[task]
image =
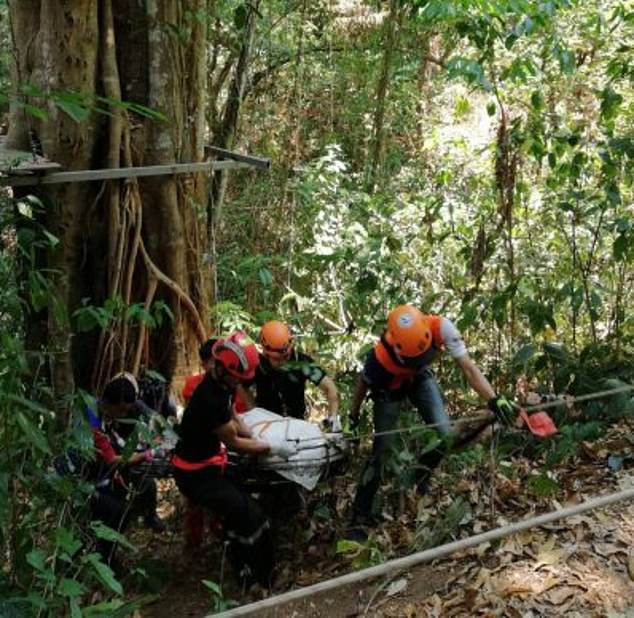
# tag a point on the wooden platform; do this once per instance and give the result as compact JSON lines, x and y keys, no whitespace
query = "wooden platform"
{"x":23,"y":163}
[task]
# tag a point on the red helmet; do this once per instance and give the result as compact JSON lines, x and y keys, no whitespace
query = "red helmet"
{"x":238,"y":355}
{"x":408,"y":331}
{"x":276,"y":339}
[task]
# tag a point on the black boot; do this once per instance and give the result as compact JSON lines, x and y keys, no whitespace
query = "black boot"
{"x":154,"y":522}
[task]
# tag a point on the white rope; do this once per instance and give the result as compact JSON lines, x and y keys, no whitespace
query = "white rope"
{"x":427,"y":555}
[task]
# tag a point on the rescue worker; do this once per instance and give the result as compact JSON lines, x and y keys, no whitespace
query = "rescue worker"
{"x":206,"y":360}
{"x":200,"y":459}
{"x":116,"y":500}
{"x":280,"y":380}
{"x":398,"y":367}
{"x":194,"y":518}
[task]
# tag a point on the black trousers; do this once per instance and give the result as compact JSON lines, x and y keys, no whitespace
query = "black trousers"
{"x":114,"y":506}
{"x":244,"y":522}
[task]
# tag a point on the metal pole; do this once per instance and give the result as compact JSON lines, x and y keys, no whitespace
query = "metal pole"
{"x":427,"y":555}
{"x":222,"y":153}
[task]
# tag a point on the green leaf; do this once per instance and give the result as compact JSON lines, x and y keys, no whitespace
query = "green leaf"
{"x":492,"y":108}
{"x":213,"y":586}
{"x":117,"y":608}
{"x":29,"y":404}
{"x":537,"y":100}
{"x":344,"y":546}
{"x":91,"y":317}
{"x":75,"y":610}
{"x":154,"y":375}
{"x":623,"y":247}
{"x":71,"y":588}
{"x":104,"y":573}
{"x":543,"y":485}
{"x":108,"y":534}
{"x":240,"y":16}
{"x":53,"y":241}
{"x":610,"y":103}
{"x":77,"y":112}
{"x":65,"y":539}
{"x":266,"y":278}
{"x":36,"y":559}
{"x":33,"y":433}
{"x":36,"y":112}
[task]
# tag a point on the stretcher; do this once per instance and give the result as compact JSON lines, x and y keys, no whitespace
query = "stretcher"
{"x":320,"y":455}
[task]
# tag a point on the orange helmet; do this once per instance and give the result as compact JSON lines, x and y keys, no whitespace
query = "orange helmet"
{"x":238,"y":355}
{"x":276,"y":339}
{"x":408,"y":332}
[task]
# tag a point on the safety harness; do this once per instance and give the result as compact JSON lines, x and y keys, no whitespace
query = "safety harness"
{"x":219,"y":459}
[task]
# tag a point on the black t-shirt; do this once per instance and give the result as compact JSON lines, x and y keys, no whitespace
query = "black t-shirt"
{"x":282,"y":390}
{"x":208,"y":409}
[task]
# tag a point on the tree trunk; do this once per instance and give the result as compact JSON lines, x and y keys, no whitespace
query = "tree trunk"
{"x":225,"y":136}
{"x":127,"y":239}
{"x":378,"y":142}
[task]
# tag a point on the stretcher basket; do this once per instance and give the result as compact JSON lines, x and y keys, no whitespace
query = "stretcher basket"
{"x":320,"y":455}
{"x":321,"y":459}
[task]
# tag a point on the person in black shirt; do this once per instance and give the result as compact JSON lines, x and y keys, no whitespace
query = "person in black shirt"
{"x":280,"y":380}
{"x":200,"y":456}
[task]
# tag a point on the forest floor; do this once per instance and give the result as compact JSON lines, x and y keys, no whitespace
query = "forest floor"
{"x":582,"y":566}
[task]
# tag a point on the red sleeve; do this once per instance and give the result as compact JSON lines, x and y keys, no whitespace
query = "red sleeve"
{"x":239,"y":404}
{"x":190,"y":385}
{"x":103,"y":446}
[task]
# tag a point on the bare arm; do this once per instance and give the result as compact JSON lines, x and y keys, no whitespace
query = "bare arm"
{"x":328,"y":387}
{"x":474,"y":376}
{"x":228,"y":433}
{"x":241,"y":426}
{"x":360,"y":391}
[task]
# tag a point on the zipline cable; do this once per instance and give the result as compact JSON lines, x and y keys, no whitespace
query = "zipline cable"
{"x":425,"y":556}
{"x":486,"y":416}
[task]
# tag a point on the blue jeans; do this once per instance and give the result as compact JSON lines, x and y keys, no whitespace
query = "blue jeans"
{"x":426,"y":397}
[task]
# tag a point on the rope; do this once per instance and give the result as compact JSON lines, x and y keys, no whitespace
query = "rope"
{"x":425,"y":556}
{"x":487,"y":416}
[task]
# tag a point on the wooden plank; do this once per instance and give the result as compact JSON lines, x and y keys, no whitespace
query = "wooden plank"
{"x":121,"y":172}
{"x":259,"y":162}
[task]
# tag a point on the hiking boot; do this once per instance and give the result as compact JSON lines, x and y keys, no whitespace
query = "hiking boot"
{"x":355,"y":533}
{"x":357,"y":529}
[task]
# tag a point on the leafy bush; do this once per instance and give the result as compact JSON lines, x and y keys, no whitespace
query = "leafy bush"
{"x":51,"y":567}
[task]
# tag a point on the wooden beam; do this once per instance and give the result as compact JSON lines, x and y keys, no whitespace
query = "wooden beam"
{"x":222,"y":153}
{"x":120,"y":172}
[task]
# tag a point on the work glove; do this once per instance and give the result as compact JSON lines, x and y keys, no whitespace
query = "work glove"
{"x":333,"y":424}
{"x":503,"y":409}
{"x":284,"y":449}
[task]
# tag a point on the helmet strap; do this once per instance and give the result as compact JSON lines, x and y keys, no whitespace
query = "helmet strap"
{"x":390,"y":349}
{"x":239,"y":352}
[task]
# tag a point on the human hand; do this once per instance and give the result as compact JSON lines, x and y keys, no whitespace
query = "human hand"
{"x":333,"y":424}
{"x":284,"y":449}
{"x":503,"y":409}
